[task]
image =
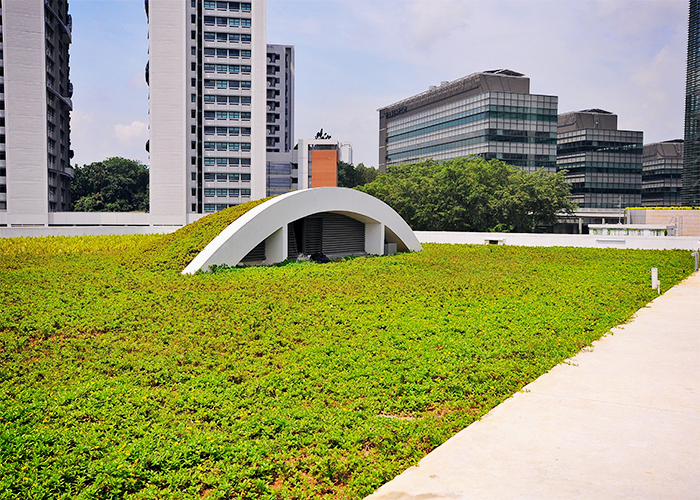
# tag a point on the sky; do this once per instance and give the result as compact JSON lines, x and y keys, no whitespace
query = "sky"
{"x":355,"y":56}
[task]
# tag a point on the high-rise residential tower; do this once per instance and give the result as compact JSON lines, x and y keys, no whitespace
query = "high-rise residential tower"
{"x":35,"y":106}
{"x":280,"y":98}
{"x":490,"y":114}
{"x":207,"y":83}
{"x":691,"y":157}
{"x":603,"y":164}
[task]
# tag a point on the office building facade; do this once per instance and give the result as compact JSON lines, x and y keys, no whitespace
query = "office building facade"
{"x":35,"y":106}
{"x":603,"y":164}
{"x":207,"y":103}
{"x":662,"y":174}
{"x":490,"y":114}
{"x":691,"y":159}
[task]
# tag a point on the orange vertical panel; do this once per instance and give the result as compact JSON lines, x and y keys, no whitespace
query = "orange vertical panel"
{"x":324,"y":168}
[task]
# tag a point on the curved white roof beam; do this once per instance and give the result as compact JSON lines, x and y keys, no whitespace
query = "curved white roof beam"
{"x":268,"y":222}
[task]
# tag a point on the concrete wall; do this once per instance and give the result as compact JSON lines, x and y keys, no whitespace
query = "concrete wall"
{"x":687,"y":222}
{"x":561,"y":240}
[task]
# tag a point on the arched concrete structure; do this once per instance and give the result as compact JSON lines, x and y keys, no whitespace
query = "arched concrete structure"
{"x":269,"y":222}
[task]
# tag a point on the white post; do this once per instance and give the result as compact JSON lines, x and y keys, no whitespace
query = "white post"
{"x":654,"y":277}
{"x":374,"y":238}
{"x":276,"y":246}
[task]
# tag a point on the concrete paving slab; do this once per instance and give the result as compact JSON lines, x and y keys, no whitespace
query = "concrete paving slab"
{"x":619,"y":420}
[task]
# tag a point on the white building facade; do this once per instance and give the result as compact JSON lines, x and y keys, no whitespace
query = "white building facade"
{"x":35,"y":106}
{"x":207,"y":80}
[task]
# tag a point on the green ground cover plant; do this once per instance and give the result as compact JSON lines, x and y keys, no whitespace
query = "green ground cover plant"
{"x":120,"y":378}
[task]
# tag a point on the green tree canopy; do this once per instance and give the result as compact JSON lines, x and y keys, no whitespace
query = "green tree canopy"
{"x":113,"y":185}
{"x":472,"y":194}
{"x":350,"y":176}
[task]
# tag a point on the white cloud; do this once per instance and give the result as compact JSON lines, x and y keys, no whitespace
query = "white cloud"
{"x":128,"y":133}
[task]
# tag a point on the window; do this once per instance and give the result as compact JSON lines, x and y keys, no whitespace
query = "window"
{"x":209,"y":161}
{"x":245,"y":146}
{"x":193,"y":97}
{"x":221,"y":68}
{"x":193,"y":113}
{"x":209,"y":52}
{"x":194,"y":51}
{"x":234,"y":37}
{"x":245,"y":162}
{"x":193,"y":82}
{"x":233,"y":131}
{"x":209,"y":192}
{"x":245,"y":69}
{"x":222,"y":84}
{"x":245,"y":115}
{"x":221,"y":206}
{"x":221,"y":37}
{"x":234,"y":177}
{"x":245,"y":192}
{"x":245,"y":84}
{"x":221,"y":146}
{"x":234,"y":22}
{"x":209,"y":130}
{"x":245,"y":23}
{"x":232,"y":161}
{"x":233,"y":99}
{"x":233,"y":146}
{"x":234,"y":5}
{"x":209,"y":176}
{"x":246,"y":38}
{"x":222,"y":99}
{"x":209,"y":68}
{"x":194,"y":176}
{"x":245,"y":177}
{"x":193,"y":160}
{"x":209,"y":20}
{"x":221,"y":115}
{"x":246,"y":6}
{"x":234,"y":115}
{"x":234,"y":68}
{"x":221,"y":21}
{"x":222,"y":192}
{"x":222,"y":5}
{"x":245,"y":99}
{"x":221,"y":161}
{"x":234,"y":84}
{"x":221,"y":52}
{"x":193,"y":129}
{"x":221,"y":130}
{"x":209,"y":99}
{"x":233,"y":192}
{"x":193,"y":66}
{"x":245,"y":131}
{"x":221,"y":177}
{"x":208,"y":35}
{"x":209,"y":84}
{"x":246,"y":53}
{"x":209,"y":146}
{"x":193,"y":35}
{"x":194,"y":207}
{"x":209,"y":208}
{"x":193,"y":145}
{"x":208,"y":115}
{"x":209,"y":4}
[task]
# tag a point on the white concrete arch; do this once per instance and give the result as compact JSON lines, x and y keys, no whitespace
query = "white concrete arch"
{"x":269,"y":222}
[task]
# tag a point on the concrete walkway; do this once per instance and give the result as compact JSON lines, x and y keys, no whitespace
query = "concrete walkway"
{"x":619,"y":420}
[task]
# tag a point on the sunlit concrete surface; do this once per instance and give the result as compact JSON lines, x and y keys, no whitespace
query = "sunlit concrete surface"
{"x":620,"y":420}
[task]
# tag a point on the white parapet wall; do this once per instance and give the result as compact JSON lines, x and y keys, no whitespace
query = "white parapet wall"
{"x":561,"y":240}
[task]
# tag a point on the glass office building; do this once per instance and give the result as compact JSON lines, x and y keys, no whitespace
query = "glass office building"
{"x":662,"y":174}
{"x":603,"y":164}
{"x":490,"y":114}
{"x":691,"y":160}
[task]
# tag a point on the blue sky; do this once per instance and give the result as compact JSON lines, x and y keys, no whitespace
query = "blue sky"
{"x":354,"y":56}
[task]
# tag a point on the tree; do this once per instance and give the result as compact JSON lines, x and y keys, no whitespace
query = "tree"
{"x":350,"y":176}
{"x":322,"y":135}
{"x":113,"y":185}
{"x":472,"y":194}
